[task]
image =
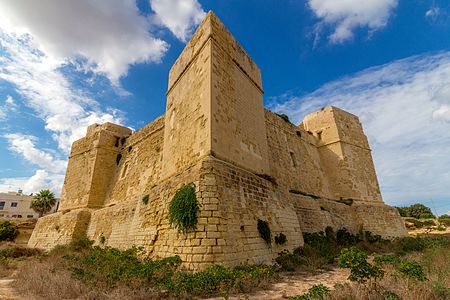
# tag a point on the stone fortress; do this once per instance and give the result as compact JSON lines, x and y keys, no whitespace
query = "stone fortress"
{"x":247,"y":163}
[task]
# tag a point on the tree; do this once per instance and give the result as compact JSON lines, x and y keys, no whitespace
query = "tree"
{"x":418,"y":211}
{"x":43,"y":202}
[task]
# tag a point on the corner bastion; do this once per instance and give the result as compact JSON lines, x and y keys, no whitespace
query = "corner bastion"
{"x":247,"y":163}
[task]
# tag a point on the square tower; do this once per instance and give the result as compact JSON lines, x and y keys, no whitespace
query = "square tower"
{"x":214,"y":104}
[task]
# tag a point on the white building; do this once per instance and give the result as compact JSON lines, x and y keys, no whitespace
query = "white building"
{"x":16,"y":205}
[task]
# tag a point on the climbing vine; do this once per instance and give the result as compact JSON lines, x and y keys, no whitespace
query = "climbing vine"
{"x":183,"y":209}
{"x":264,"y":231}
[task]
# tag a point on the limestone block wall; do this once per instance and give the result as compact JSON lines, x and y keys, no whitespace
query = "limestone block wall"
{"x":140,"y":164}
{"x":232,"y":200}
{"x":294,"y":159}
{"x":238,"y":128}
{"x":59,"y":228}
{"x":92,"y":163}
{"x":188,"y":110}
{"x":345,"y":154}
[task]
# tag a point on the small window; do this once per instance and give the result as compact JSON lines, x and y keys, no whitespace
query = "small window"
{"x":2,"y":215}
{"x":2,"y":205}
{"x":294,"y":163}
{"x":29,"y":216}
{"x":13,"y":204}
{"x":19,"y":216}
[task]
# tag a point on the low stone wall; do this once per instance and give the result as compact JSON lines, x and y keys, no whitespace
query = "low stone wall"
{"x":59,"y":228}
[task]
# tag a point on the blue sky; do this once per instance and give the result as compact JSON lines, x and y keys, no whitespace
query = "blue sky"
{"x":67,"y":64}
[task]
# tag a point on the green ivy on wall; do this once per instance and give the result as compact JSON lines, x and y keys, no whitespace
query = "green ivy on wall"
{"x":183,"y":209}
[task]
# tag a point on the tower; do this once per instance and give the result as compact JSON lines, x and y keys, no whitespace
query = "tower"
{"x":214,"y":104}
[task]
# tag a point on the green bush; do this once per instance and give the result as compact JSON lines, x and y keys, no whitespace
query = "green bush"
{"x":80,"y":243}
{"x":288,"y":261}
{"x":412,"y":270}
{"x":317,"y":291}
{"x":409,"y":244}
{"x":345,"y":238}
{"x":280,"y":239}
{"x":322,"y":244}
{"x":388,"y":295}
{"x":284,"y":117}
{"x":145,"y":199}
{"x":373,"y":238}
{"x":417,"y":223}
{"x":387,"y":259}
{"x":183,"y":209}
{"x":426,"y":216}
{"x":415,"y":211}
{"x":8,"y":231}
{"x":360,"y":269}
{"x":264,"y":231}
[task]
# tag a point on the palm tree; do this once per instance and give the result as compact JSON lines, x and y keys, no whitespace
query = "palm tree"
{"x":43,"y":202}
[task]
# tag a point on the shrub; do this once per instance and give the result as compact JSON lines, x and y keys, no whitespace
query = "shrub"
{"x":317,"y":291}
{"x":360,"y":269}
{"x":8,"y":231}
{"x":81,"y":242}
{"x":345,"y":238}
{"x":387,"y":259}
{"x":412,"y":270}
{"x":264,"y":231}
{"x":321,"y":244}
{"x":284,"y":117}
{"x":288,"y":261}
{"x":183,"y":209}
{"x":145,"y":199}
{"x":415,"y":211}
{"x":373,"y":238}
{"x":426,"y":216}
{"x":409,"y":244}
{"x":388,"y":295}
{"x":417,"y":223}
{"x":280,"y":239}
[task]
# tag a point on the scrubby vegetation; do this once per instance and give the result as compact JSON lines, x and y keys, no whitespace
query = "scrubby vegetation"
{"x":81,"y":270}
{"x":405,"y":268}
{"x":8,"y":231}
{"x":418,"y":211}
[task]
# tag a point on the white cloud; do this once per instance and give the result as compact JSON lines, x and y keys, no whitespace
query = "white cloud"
{"x":43,"y":180}
{"x":10,"y":106}
{"x":433,"y":12}
{"x":104,"y":36}
{"x":403,"y":106}
{"x":347,"y":15}
{"x":39,"y":181}
{"x":180,"y":16}
{"x":25,"y":146}
{"x":66,"y":110}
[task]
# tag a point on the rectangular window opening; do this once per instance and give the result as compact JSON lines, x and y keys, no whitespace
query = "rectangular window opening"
{"x":294,"y":163}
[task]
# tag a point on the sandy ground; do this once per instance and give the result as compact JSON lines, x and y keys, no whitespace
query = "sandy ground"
{"x":293,"y":284}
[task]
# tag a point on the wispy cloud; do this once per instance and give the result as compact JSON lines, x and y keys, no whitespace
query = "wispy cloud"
{"x":25,"y":146}
{"x":404,"y":108}
{"x":180,"y":16}
{"x":346,"y":16}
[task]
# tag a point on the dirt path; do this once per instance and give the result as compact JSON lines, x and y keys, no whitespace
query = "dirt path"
{"x":7,"y":291}
{"x":293,"y":284}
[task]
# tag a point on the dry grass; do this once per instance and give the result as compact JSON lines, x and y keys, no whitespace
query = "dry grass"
{"x":436,"y":264}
